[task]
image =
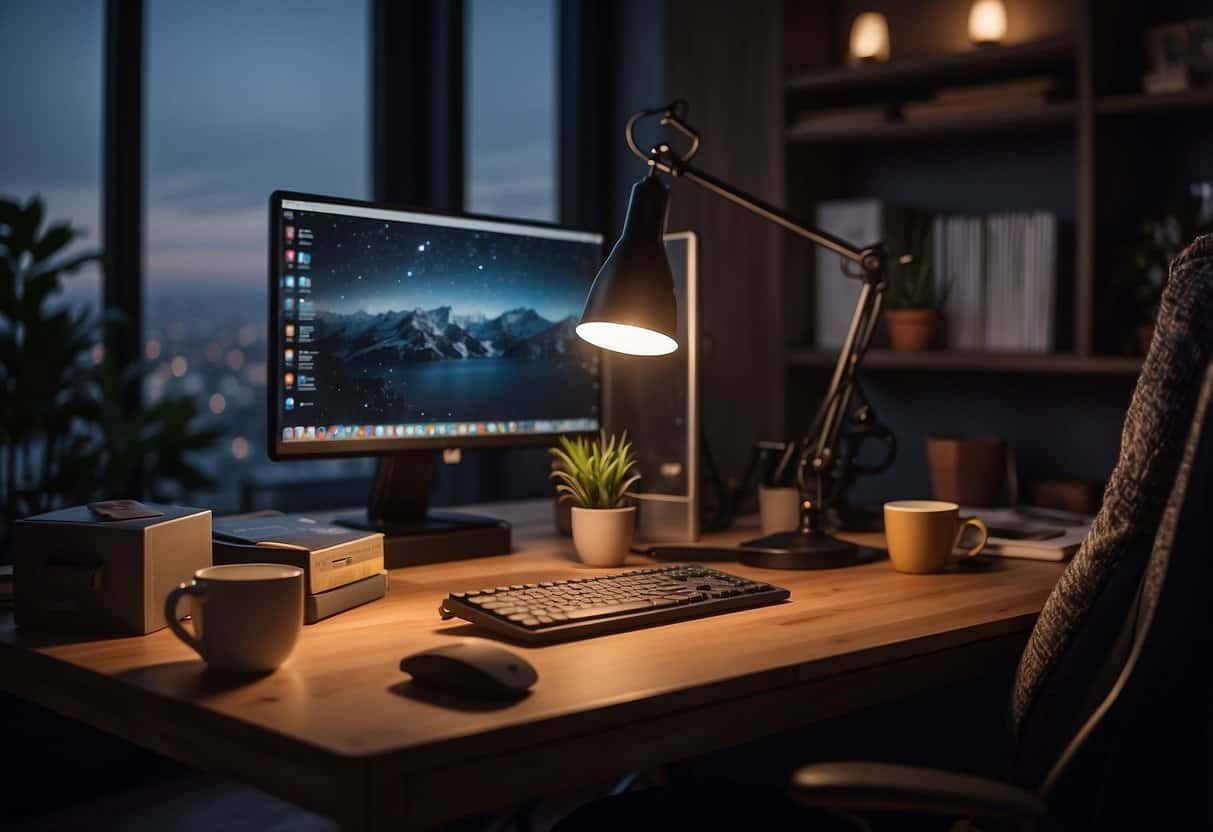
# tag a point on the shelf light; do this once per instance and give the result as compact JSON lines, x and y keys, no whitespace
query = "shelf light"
{"x":987,"y":22}
{"x":869,"y":38}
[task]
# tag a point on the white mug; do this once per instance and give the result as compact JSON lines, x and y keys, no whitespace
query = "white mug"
{"x":247,"y":616}
{"x":778,"y":508}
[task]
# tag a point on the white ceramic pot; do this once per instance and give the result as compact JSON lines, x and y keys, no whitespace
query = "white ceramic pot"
{"x":603,"y":536}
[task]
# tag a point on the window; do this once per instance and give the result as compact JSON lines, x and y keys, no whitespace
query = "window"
{"x":510,"y":121}
{"x":50,"y":54}
{"x":241,"y":99}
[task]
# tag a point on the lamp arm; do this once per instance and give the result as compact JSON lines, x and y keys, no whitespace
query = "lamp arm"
{"x":818,"y":443}
{"x":663,"y":158}
{"x":771,"y":213}
{"x":820,"y":440}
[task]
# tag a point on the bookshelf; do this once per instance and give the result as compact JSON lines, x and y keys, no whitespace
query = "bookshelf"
{"x":933,"y":70}
{"x":1006,"y":120}
{"x":995,"y":362}
{"x":1079,"y":157}
{"x":1196,"y":101}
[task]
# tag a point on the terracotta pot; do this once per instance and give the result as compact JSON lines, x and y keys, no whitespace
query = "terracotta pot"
{"x":972,"y":471}
{"x":1145,"y":335}
{"x":603,"y":536}
{"x":912,"y":330}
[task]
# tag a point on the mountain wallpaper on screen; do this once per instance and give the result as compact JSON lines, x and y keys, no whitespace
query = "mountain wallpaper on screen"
{"x":364,"y":340}
{"x":433,"y":323}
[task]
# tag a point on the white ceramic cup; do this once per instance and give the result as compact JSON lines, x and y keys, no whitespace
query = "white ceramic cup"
{"x":603,"y":536}
{"x":778,"y":509}
{"x":247,"y":617}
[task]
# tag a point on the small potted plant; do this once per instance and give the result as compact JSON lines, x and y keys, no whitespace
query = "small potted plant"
{"x":595,"y":475}
{"x":1156,"y":242}
{"x":912,"y":300}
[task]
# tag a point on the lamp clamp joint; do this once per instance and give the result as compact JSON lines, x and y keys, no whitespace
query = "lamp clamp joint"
{"x":663,"y":157}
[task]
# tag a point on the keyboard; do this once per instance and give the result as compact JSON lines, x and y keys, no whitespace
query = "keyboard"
{"x":553,"y":611}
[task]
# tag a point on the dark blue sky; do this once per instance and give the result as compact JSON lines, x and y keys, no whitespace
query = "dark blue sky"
{"x":246,"y":97}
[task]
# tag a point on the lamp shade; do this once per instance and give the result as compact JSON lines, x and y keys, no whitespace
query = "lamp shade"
{"x":987,"y":21}
{"x":631,"y":307}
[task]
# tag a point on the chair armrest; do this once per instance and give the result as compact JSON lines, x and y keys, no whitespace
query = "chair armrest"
{"x":897,"y":788}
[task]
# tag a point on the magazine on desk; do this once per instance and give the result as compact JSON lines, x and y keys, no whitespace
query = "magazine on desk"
{"x":1031,"y":532}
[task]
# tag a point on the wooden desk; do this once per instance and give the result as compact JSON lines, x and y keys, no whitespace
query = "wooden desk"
{"x":337,"y":729}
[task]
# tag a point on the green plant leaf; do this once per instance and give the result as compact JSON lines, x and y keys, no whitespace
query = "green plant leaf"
{"x":594,"y":473}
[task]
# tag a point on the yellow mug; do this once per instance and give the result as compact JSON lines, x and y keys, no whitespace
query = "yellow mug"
{"x":921,"y":534}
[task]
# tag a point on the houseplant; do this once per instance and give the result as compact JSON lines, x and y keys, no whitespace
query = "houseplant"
{"x":595,"y":475}
{"x":65,"y":436}
{"x":1155,"y":243}
{"x":912,"y":300}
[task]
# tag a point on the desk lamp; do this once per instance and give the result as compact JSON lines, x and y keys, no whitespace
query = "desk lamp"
{"x":631,"y":309}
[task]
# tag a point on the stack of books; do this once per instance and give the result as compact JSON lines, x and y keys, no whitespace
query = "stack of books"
{"x":1032,"y":532}
{"x":842,"y":119}
{"x":1001,"y":272}
{"x":956,"y":102}
{"x":343,"y":568}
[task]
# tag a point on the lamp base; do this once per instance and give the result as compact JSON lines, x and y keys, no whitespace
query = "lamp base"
{"x":799,"y":550}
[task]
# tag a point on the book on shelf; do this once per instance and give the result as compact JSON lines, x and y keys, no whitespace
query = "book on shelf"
{"x":958,"y":246}
{"x":952,"y":102}
{"x":1034,"y":87}
{"x":1000,"y":272}
{"x":918,"y":111}
{"x":842,"y":118}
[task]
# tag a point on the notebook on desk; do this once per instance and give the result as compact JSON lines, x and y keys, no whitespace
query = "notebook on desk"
{"x":1031,"y":532}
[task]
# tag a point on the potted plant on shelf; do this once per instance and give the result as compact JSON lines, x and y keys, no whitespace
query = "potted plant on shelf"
{"x":595,"y":475}
{"x":1156,"y":242}
{"x":912,"y":300}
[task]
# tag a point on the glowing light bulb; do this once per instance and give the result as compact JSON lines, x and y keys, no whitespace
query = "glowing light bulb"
{"x":869,"y":38}
{"x":987,"y":21}
{"x":632,"y":340}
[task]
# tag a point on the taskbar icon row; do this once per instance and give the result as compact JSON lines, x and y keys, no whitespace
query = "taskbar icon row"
{"x":426,"y":430}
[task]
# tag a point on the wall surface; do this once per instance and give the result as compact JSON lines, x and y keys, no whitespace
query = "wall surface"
{"x":729,"y":67}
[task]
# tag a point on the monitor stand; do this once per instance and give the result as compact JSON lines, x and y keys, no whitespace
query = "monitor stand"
{"x":413,"y":535}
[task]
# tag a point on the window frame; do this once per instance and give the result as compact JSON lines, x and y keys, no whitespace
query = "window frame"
{"x":417,"y":131}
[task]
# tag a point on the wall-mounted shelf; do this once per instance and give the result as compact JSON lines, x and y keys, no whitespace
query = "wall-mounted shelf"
{"x":963,"y":67}
{"x":1022,"y":118}
{"x":1056,"y":363}
{"x":1174,"y":102}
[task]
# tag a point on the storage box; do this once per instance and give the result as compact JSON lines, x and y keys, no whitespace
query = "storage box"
{"x":330,"y":556}
{"x":76,"y":571}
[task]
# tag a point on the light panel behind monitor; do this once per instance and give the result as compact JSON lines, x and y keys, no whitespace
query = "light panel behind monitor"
{"x":655,"y":399}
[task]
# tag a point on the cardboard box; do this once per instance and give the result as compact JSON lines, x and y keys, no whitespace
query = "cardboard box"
{"x":76,"y":571}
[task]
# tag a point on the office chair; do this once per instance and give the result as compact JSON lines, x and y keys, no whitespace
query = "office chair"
{"x":1111,"y":704}
{"x":1138,"y":757}
{"x":1111,"y":708}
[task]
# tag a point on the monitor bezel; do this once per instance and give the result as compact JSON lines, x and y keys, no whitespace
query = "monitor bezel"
{"x":277,"y":449}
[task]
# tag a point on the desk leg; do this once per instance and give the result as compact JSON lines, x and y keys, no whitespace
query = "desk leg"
{"x":380,"y":805}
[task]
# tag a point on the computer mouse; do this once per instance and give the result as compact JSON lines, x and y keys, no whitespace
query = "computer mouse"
{"x":472,"y":668}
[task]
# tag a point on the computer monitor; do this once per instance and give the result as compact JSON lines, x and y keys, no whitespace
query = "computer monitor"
{"x":399,"y":333}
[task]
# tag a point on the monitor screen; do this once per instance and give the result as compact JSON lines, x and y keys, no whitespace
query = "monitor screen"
{"x":394,"y":329}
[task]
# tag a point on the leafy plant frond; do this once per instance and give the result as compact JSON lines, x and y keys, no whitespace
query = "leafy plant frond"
{"x":911,"y":278}
{"x":594,"y":473}
{"x":67,"y":436}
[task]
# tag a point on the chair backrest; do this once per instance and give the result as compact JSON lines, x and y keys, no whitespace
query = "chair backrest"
{"x":1142,"y":756}
{"x":1079,"y":644}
